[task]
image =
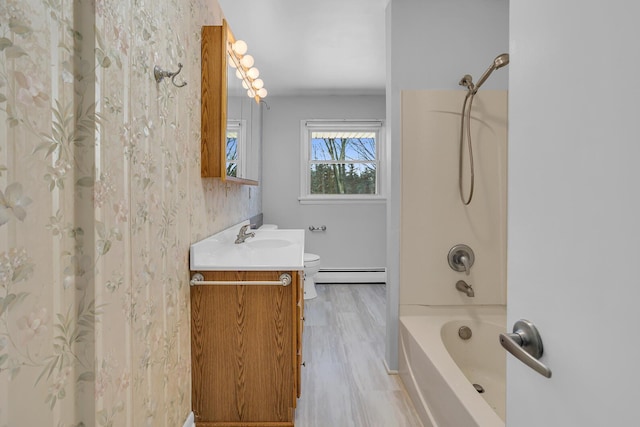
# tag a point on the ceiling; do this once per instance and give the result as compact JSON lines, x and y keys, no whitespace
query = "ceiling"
{"x":313,"y":47}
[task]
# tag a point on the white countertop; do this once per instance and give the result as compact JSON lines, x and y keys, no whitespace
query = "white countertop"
{"x":279,"y":249}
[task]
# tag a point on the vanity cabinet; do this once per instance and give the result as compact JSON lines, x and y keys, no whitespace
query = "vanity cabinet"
{"x":246,"y":349}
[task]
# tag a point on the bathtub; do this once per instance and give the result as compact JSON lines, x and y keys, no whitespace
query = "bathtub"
{"x":439,"y":369}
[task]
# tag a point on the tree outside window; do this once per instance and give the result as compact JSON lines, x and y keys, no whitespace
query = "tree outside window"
{"x":232,"y":153}
{"x":235,"y":146}
{"x":343,"y":163}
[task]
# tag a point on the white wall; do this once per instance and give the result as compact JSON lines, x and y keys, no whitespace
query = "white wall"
{"x":431,"y":45}
{"x":355,"y":236}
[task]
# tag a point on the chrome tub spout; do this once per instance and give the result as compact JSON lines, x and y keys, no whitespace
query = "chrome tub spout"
{"x":462,"y":286}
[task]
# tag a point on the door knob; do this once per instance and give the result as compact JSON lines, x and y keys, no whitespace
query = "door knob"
{"x":526,"y":345}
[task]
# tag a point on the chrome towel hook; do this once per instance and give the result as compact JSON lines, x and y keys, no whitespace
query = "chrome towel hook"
{"x":160,"y":74}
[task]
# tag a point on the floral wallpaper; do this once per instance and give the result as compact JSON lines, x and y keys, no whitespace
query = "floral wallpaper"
{"x":100,"y":198}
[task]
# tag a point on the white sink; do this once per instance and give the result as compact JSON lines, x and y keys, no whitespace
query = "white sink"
{"x":279,"y":249}
{"x":268,"y":243}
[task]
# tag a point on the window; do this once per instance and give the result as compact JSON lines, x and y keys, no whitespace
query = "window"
{"x":341,"y":161}
{"x":235,"y":146}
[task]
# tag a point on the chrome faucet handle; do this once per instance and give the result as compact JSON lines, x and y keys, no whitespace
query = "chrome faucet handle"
{"x":466,"y":264}
{"x":243,"y":230}
{"x":243,"y":235}
{"x":461,"y":258}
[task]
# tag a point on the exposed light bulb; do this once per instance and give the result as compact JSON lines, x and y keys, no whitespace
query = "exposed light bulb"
{"x":262,"y":93}
{"x":239,"y":47}
{"x":231,"y":62}
{"x":253,"y":73}
{"x":247,"y":61}
{"x":251,"y":93}
{"x":258,"y":84}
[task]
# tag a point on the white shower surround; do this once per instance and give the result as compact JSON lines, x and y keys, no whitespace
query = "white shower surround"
{"x":433,"y":216}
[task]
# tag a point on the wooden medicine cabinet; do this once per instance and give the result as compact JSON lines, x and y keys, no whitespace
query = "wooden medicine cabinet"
{"x":230,"y":119}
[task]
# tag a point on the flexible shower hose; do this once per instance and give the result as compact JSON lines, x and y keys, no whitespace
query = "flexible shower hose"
{"x":466,"y":119}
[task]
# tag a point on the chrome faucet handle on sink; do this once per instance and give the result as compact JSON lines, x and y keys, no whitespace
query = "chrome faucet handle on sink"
{"x":243,"y":235}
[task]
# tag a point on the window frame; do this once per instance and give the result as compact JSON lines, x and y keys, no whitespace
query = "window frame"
{"x":347,"y":125}
{"x":240,"y":126}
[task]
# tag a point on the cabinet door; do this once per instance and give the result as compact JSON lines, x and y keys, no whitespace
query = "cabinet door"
{"x":243,"y":349}
{"x":214,"y":101}
{"x":218,"y":99}
{"x":300,"y":317}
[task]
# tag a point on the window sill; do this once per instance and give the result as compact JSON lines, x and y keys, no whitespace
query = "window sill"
{"x":341,"y":200}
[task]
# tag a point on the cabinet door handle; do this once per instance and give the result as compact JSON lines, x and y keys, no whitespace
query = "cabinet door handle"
{"x":526,"y":345}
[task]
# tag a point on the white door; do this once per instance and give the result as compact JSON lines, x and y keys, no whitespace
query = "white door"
{"x":574,"y":210}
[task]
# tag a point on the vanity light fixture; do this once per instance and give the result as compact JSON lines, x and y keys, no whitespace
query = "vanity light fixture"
{"x":247,"y":61}
{"x":253,"y":73}
{"x":239,"y":47}
{"x":245,"y":71}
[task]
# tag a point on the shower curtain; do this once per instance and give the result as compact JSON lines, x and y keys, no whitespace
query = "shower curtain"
{"x":100,"y":197}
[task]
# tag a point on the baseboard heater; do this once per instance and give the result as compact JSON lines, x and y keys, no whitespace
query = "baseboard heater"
{"x":351,"y":275}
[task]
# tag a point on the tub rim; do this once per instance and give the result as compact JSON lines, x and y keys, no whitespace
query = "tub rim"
{"x":412,"y":323}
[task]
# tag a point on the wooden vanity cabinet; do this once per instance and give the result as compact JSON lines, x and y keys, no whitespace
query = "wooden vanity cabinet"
{"x":300,"y":318}
{"x":246,"y":349}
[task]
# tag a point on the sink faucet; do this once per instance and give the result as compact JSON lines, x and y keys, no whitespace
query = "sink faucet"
{"x":243,"y":235}
{"x":462,"y":286}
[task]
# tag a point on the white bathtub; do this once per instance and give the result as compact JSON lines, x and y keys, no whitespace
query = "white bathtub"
{"x":439,"y":368}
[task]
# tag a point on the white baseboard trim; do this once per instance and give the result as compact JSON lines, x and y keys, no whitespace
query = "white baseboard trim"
{"x":191,"y":421}
{"x":374,"y":275}
{"x":389,"y":371}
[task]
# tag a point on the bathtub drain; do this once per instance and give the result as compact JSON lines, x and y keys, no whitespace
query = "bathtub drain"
{"x":465,"y":332}
{"x":478,"y":388}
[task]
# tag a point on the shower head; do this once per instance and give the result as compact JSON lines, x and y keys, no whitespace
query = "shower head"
{"x":499,"y":62}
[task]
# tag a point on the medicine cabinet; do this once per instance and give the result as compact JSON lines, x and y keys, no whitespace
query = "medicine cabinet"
{"x":231,"y":123}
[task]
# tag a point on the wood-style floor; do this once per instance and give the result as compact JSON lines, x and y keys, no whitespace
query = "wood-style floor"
{"x":344,"y":381}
